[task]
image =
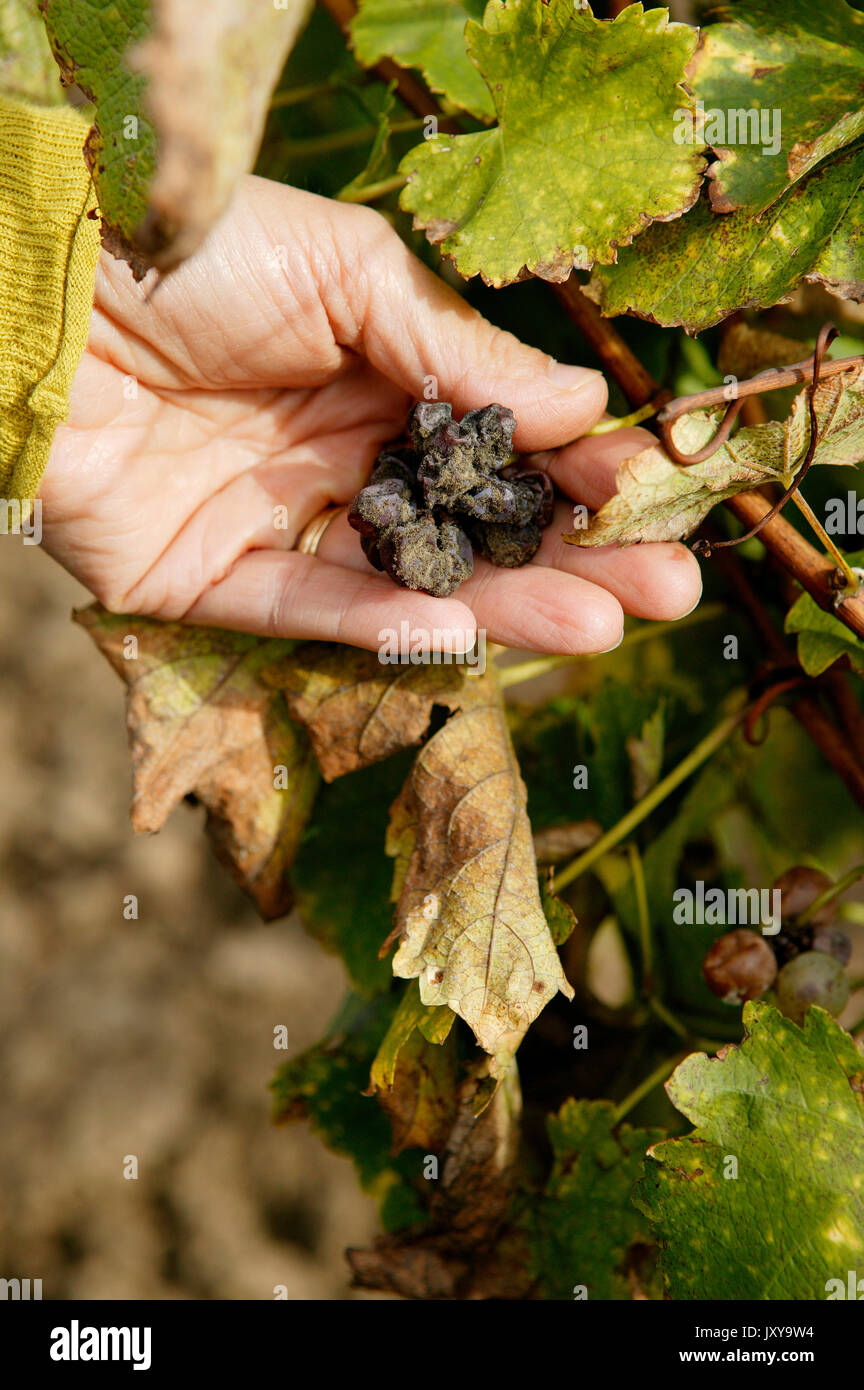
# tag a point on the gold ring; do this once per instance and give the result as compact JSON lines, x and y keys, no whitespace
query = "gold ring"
{"x":310,"y":537}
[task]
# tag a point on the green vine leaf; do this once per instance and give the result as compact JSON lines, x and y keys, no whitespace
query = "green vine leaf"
{"x":379,"y":164}
{"x":700,"y":269}
{"x":793,"y":73}
{"x":429,"y":35}
{"x":822,"y":638}
{"x":560,"y":916}
{"x":657,"y":500}
{"x":27,"y":69}
{"x":91,"y":45}
{"x":163,"y":173}
{"x":585,"y":1223}
{"x":350,"y":914}
{"x":788,"y":1107}
{"x":582,"y":156}
{"x":203,"y":720}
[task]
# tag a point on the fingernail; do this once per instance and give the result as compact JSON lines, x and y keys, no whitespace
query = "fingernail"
{"x":614,"y":646}
{"x":565,"y":377}
{"x":693,"y":609}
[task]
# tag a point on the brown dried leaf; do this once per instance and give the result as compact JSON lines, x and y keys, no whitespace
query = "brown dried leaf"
{"x":656,"y":500}
{"x":356,"y":709}
{"x":210,"y":71}
{"x":472,"y":928}
{"x":468,"y":1250}
{"x":469,"y":917}
{"x":202,"y":720}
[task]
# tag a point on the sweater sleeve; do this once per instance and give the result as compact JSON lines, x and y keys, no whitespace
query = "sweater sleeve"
{"x":48,"y":251}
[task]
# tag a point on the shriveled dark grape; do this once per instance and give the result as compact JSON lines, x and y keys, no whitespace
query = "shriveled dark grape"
{"x":428,"y":555}
{"x":451,"y":486}
{"x":507,"y":546}
{"x":540,"y":484}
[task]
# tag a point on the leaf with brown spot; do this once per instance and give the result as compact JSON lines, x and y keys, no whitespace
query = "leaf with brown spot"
{"x":658,"y":500}
{"x":471,"y":924}
{"x":468,"y":915}
{"x":762,"y":61}
{"x":581,"y":158}
{"x":784,"y":1104}
{"x":202,"y":719}
{"x":358,"y":710}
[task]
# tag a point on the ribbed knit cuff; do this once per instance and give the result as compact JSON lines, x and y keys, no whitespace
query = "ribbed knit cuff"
{"x":48,"y":251}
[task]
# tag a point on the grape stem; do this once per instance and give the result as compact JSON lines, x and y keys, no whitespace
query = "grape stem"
{"x":625,"y":421}
{"x":371,"y":191}
{"x":647,"y":1085}
{"x":695,"y":758}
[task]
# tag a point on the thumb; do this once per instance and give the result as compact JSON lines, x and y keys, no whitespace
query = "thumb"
{"x":413,"y":327}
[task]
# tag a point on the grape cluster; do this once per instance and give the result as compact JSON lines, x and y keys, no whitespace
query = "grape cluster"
{"x":448,"y":490}
{"x":805,"y":963}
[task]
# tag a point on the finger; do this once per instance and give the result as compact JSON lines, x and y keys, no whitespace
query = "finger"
{"x":647,"y":581}
{"x":587,"y":470}
{"x":543,"y":610}
{"x":661,"y":581}
{"x":413,"y":327}
{"x":531,"y":607}
{"x":291,"y":595}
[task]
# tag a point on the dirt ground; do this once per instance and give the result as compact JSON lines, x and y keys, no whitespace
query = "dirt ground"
{"x":151,"y":1038}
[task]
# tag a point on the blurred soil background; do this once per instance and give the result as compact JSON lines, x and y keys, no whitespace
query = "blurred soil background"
{"x":152,"y":1037}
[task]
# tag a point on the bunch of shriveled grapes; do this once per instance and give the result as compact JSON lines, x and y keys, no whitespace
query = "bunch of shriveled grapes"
{"x":802,"y":964}
{"x":451,"y":488}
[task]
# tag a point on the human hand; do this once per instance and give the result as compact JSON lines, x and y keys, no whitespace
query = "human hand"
{"x":266,"y":373}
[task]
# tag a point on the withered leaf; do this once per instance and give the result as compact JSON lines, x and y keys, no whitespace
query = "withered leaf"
{"x":202,"y":720}
{"x":358,"y":710}
{"x":416,"y":1081}
{"x":432,"y":1022}
{"x":657,"y":500}
{"x":414,"y":1074}
{"x":181,"y":92}
{"x":468,"y":1249}
{"x":468,"y":915}
{"x":472,"y":928}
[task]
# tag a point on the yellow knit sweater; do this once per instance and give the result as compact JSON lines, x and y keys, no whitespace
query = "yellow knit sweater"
{"x":48,"y":250}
